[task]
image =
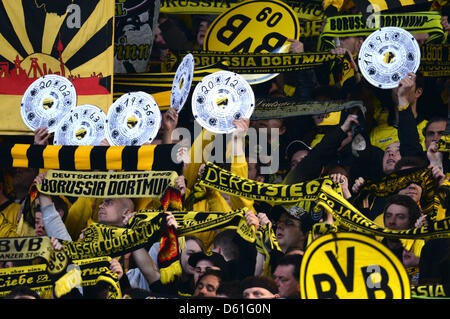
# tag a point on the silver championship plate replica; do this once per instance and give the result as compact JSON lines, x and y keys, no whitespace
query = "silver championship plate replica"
{"x":182,"y":82}
{"x":220,"y":98}
{"x":83,"y":125}
{"x":387,"y":55}
{"x":133,"y":119}
{"x":46,"y":101}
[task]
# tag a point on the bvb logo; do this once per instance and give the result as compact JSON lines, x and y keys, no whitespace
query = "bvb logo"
{"x":131,"y":122}
{"x":253,"y":26}
{"x":81,"y":133}
{"x":48,"y":103}
{"x":352,"y":266}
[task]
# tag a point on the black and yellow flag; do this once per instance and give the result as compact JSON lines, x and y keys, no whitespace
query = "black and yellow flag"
{"x":70,"y":38}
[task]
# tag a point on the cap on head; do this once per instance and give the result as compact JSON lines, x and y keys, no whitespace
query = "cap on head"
{"x":215,"y":258}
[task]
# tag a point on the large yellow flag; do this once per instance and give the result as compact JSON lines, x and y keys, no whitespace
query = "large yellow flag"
{"x":64,"y":37}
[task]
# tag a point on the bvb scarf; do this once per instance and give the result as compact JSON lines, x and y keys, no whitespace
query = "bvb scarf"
{"x":305,"y":9}
{"x":35,"y":277}
{"x":101,"y":240}
{"x":107,"y":184}
{"x":190,"y":222}
{"x":87,"y":272}
{"x":348,"y":217}
{"x":34,"y":248}
{"x":256,"y":63}
{"x":391,"y":184}
{"x":146,"y":227}
{"x":355,"y":25}
{"x":227,"y":182}
{"x":156,"y":184}
{"x":373,"y":5}
{"x":428,"y":292}
{"x":94,"y":270}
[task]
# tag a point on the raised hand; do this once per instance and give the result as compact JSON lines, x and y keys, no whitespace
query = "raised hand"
{"x":41,"y":136}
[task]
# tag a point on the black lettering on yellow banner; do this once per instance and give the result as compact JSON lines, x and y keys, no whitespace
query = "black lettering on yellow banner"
{"x":356,"y":25}
{"x":196,"y":6}
{"x":346,"y":216}
{"x":36,"y":277}
{"x":20,"y":248}
{"x":227,"y":182}
{"x":428,"y":292}
{"x":253,"y":26}
{"x":94,"y":270}
{"x":39,"y":279}
{"x":310,"y":29}
{"x":435,"y":60}
{"x":101,"y":240}
{"x":31,"y":248}
{"x":256,"y":63}
{"x":305,"y":9}
{"x":107,"y":184}
{"x":351,"y":266}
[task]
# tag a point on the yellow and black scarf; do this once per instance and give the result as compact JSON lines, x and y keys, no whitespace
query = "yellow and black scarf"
{"x":85,"y":158}
{"x":355,"y":25}
{"x":224,"y":181}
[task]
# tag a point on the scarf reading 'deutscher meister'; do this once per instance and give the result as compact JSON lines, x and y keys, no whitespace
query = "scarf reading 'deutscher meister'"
{"x":134,"y":184}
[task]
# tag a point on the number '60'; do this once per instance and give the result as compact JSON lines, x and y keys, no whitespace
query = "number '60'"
{"x":273,"y":19}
